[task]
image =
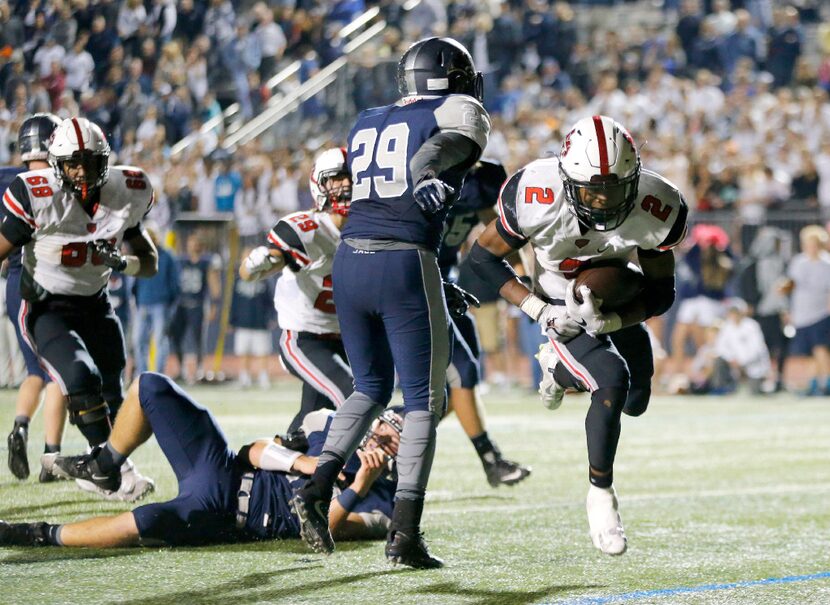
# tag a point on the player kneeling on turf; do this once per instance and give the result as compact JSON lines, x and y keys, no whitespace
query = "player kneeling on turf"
{"x":223,"y":495}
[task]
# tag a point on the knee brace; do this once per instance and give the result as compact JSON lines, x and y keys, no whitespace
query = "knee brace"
{"x":638,"y":400}
{"x":86,"y":409}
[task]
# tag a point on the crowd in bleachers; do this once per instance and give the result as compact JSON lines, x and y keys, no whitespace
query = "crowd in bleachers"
{"x":729,"y":100}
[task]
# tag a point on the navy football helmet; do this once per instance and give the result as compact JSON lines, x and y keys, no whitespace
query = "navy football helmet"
{"x":34,"y":136}
{"x":439,"y":66}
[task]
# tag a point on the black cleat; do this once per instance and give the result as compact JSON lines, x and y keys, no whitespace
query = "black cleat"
{"x":23,"y":534}
{"x":47,"y":463}
{"x":85,"y":467}
{"x":18,"y":457}
{"x":412,"y":551}
{"x":313,"y":514}
{"x":503,"y":472}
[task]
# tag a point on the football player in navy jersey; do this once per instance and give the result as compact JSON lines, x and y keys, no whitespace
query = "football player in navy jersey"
{"x":594,"y":202}
{"x":408,"y":161}
{"x":223,"y":495}
{"x":475,"y":205}
{"x":33,"y":146}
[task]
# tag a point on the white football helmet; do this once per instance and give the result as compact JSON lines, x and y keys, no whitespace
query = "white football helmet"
{"x":600,"y":169}
{"x":327,"y":197}
{"x":78,"y":143}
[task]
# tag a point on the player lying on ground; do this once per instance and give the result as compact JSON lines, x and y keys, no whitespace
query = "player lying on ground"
{"x":592,"y":203}
{"x":223,"y":496}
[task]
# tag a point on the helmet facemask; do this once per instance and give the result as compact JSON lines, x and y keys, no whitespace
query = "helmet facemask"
{"x":81,"y":173}
{"x":604,"y":202}
{"x":335,"y":192}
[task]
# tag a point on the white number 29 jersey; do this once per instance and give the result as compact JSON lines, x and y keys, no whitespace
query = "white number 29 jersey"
{"x":58,"y":231}
{"x":533,"y":208}
{"x":303,"y":296}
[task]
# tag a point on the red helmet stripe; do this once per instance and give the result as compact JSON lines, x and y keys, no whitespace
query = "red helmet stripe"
{"x":78,"y":134}
{"x":603,"y":145}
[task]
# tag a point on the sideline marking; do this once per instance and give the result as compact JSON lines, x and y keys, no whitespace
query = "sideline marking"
{"x":665,"y":592}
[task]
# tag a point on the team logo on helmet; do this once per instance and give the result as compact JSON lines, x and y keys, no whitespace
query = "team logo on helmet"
{"x":79,"y":155}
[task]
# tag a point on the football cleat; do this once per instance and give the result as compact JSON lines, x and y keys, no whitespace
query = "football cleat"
{"x":550,"y":391}
{"x":409,"y":550}
{"x":313,"y":514}
{"x":23,"y":534}
{"x":604,"y":521}
{"x":503,"y":472}
{"x":18,"y":457}
{"x":134,"y":486}
{"x":47,"y":463}
{"x":84,"y":468}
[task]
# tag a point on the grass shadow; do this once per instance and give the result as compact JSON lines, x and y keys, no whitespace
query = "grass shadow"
{"x":110,"y":508}
{"x":501,"y":597}
{"x":28,"y":555}
{"x":245,"y":589}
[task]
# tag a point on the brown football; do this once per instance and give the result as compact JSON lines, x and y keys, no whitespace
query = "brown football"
{"x":616,"y":284}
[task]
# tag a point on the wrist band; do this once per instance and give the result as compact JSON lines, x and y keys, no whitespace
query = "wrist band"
{"x":533,"y":306}
{"x":348,"y":499}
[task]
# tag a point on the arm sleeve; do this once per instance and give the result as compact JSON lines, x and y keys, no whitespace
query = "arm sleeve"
{"x":446,"y":154}
{"x":677,"y":233}
{"x":18,"y":224}
{"x":508,"y":222}
{"x":285,"y":239}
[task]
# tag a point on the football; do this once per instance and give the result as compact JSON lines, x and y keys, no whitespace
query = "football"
{"x":616,"y":283}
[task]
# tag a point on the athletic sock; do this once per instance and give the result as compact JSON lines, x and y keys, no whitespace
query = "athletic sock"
{"x":49,"y":448}
{"x":21,"y":420}
{"x":406,"y":517}
{"x":96,"y":432}
{"x":109,"y":459}
{"x":322,"y":482}
{"x":485,"y":446}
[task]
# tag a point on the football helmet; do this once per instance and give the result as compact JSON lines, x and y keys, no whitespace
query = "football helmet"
{"x":600,"y":169}
{"x":439,"y":66}
{"x":34,"y":136}
{"x":79,"y":155}
{"x":331,"y":164}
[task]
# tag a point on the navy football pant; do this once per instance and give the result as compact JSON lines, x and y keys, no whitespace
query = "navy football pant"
{"x":617,"y":369}
{"x":465,"y":362}
{"x":195,"y":446}
{"x":13,"y":306}
{"x":393,"y":317}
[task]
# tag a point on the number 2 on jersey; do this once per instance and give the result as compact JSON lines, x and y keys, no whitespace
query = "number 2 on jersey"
{"x":388,"y":153}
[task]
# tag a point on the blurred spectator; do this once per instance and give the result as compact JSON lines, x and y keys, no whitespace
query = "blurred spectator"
{"x":271,"y":40}
{"x":809,"y":284}
{"x":703,"y":276}
{"x":79,"y":67}
{"x":760,"y":277}
{"x":227,"y":183}
{"x":154,"y":298}
{"x":784,"y":45}
{"x":252,"y":312}
{"x":200,"y":287}
{"x":741,"y":350}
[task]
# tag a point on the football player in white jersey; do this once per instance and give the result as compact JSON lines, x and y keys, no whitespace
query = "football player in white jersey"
{"x":305,"y":242}
{"x":70,"y":220}
{"x":593,"y":202}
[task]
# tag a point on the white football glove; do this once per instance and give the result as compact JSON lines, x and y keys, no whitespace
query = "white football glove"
{"x":259,"y":260}
{"x":588,"y":313}
{"x":558,"y":323}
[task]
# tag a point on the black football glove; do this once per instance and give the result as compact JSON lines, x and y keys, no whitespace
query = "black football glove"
{"x":109,"y":255}
{"x":458,"y":299}
{"x":432,"y":194}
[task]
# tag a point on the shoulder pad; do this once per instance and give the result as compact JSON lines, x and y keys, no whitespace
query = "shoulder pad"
{"x":290,"y":234}
{"x":663,"y":203}
{"x":465,"y":115}
{"x":316,"y":421}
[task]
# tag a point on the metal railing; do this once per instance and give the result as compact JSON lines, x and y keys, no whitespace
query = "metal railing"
{"x":230,"y":121}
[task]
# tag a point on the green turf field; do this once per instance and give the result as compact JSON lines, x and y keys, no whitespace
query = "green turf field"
{"x":717,"y":495}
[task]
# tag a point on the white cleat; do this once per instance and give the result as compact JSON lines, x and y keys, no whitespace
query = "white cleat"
{"x":134,"y":485}
{"x":604,"y":521}
{"x":550,"y":391}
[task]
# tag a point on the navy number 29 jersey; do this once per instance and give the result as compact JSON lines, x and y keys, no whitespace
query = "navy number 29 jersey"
{"x":380,"y":149}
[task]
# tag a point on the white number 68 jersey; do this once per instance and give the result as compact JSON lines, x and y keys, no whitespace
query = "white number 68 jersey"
{"x":533,"y":209}
{"x":57,"y":232}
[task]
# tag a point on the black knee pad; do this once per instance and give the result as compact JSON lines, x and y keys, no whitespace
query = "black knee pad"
{"x":86,"y":409}
{"x":638,"y":398}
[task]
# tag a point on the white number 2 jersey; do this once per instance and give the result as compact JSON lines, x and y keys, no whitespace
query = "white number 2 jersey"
{"x":57,"y":231}
{"x":303,"y":297}
{"x":533,"y":208}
